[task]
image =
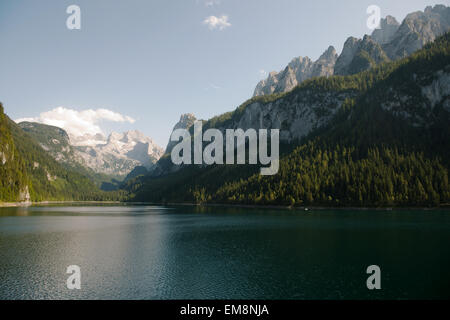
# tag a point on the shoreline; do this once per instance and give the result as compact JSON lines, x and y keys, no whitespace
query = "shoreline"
{"x":29,"y":204}
{"x":445,"y":206}
{"x":301,"y":208}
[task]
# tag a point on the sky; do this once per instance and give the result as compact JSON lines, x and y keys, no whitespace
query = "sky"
{"x":140,"y":64}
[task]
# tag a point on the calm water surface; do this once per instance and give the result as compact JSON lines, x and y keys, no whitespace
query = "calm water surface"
{"x":148,"y":252}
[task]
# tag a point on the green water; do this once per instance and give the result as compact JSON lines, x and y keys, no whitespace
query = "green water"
{"x":148,"y":252}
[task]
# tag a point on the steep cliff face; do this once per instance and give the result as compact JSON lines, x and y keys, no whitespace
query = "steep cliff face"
{"x":119,"y":154}
{"x":386,"y":32}
{"x":164,"y":164}
{"x":298,"y":70}
{"x":115,"y":156}
{"x":359,"y":55}
{"x":295,"y":115}
{"x":418,"y":29}
{"x":390,"y":42}
{"x":324,"y":66}
{"x":185,"y":122}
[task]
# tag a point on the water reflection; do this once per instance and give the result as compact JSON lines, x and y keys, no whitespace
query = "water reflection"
{"x":147,"y":252}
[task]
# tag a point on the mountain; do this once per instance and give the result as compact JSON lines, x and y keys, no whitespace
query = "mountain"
{"x":164,"y":164}
{"x":418,"y":29}
{"x":390,"y":42}
{"x":98,"y":157}
{"x":298,"y":70}
{"x":359,"y":55}
{"x":386,"y":31}
{"x":136,"y":172}
{"x":119,"y":154}
{"x":30,"y":173}
{"x":380,"y":137}
{"x":52,"y":139}
{"x":14,"y":182}
{"x":185,"y":122}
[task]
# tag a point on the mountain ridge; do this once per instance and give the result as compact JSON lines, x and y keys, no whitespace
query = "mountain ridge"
{"x":392,"y":121}
{"x":116,"y":156}
{"x":391,"y":41}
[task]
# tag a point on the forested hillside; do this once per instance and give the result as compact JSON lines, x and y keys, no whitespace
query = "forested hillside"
{"x":29,"y":173}
{"x":56,"y":142}
{"x":388,"y":144}
{"x":13,"y":176}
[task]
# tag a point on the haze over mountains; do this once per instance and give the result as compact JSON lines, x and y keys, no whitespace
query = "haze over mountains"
{"x":391,"y":42}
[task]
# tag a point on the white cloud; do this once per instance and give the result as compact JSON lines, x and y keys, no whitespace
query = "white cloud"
{"x":209,"y":3}
{"x":78,"y":123}
{"x":212,"y":86}
{"x":214,"y":22}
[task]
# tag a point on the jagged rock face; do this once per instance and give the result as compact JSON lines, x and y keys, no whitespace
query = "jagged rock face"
{"x":392,"y":41}
{"x":298,"y":70}
{"x":120,"y":153}
{"x":387,"y":30}
{"x":116,"y":155}
{"x":268,"y":86}
{"x":296,"y":116}
{"x":324,"y":66}
{"x":346,"y":57}
{"x":359,"y":55}
{"x":418,"y":29}
{"x":186,"y":121}
{"x":164,"y":164}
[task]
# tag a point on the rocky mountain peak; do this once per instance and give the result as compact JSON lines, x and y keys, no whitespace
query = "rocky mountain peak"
{"x":324,"y":66}
{"x":418,"y":29}
{"x":297,"y":71}
{"x":185,"y":122}
{"x":359,"y":55}
{"x":329,"y":54}
{"x":390,"y":42}
{"x":347,"y":55}
{"x":116,"y":155}
{"x":387,"y":30}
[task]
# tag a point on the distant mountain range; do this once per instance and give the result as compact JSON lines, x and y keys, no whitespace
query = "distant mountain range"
{"x":390,"y":42}
{"x":116,"y":155}
{"x":106,"y":161}
{"x":29,"y":172}
{"x":368,"y":127}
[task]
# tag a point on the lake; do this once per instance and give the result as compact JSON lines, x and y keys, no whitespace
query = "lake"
{"x":183,"y":252}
